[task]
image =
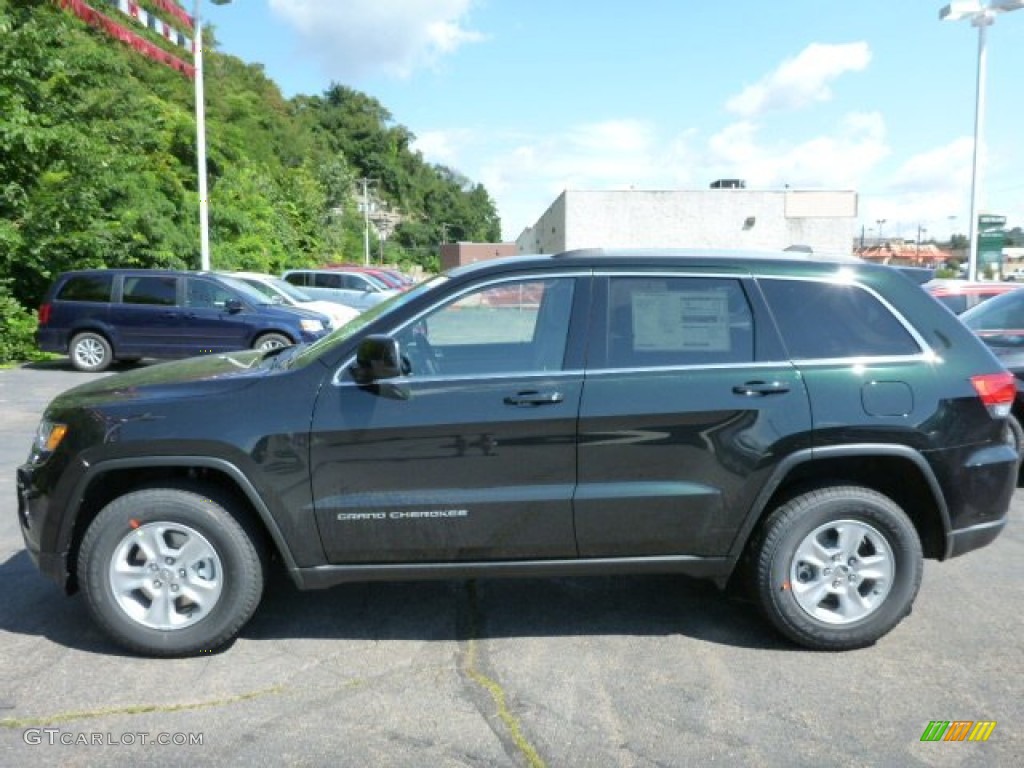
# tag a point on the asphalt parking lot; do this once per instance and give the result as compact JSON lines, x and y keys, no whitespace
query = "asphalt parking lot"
{"x":625,"y":671}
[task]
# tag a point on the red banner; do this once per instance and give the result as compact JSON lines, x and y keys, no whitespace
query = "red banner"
{"x":94,"y":18}
{"x":175,"y":10}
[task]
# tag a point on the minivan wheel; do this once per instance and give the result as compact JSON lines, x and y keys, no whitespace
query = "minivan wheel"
{"x":90,"y":352}
{"x":168,"y":572}
{"x":269,"y":341}
{"x":837,"y":568}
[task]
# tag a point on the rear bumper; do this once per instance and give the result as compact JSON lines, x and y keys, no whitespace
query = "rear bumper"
{"x":51,"y":340}
{"x":979,"y":492}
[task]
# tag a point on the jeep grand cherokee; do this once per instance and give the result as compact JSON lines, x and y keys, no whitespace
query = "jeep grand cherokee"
{"x":815,"y":428}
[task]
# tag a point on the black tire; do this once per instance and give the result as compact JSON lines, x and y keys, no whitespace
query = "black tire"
{"x":269,"y":341}
{"x":90,"y":352}
{"x":861,"y":574}
{"x":208,"y":566}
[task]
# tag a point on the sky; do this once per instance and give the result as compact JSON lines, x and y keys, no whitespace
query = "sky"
{"x":532,"y":97}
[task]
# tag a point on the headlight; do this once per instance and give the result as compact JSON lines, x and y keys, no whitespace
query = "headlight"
{"x":312,"y":326}
{"x":48,"y":436}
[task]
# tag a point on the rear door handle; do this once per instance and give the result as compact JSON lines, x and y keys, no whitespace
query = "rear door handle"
{"x":531,"y":399}
{"x":761,"y":388}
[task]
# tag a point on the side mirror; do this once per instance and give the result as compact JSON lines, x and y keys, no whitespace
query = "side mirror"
{"x":378,"y":357}
{"x":233,"y":305}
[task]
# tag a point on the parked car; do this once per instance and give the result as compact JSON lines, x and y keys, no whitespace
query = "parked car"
{"x":279,"y":291}
{"x":1014,"y":275}
{"x":1000,"y":324}
{"x":813,"y":429}
{"x":392,"y":278}
{"x":101,"y":315}
{"x":352,"y":289}
{"x":961,"y":295}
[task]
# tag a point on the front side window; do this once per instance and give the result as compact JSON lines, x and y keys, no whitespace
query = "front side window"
{"x":677,"y":321}
{"x":822,"y":320}
{"x":206,"y":294}
{"x":147,"y":289}
{"x":516,"y":326}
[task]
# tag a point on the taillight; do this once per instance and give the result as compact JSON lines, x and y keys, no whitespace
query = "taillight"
{"x":997,"y":391}
{"x":44,"y":314}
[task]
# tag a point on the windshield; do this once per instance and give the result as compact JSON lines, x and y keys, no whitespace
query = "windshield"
{"x":247,"y":291}
{"x":1004,"y":313}
{"x":309,"y":353}
{"x":289,"y":290}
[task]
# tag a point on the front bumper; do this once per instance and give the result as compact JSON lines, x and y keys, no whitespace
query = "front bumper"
{"x":32,"y":512}
{"x":967,"y":539}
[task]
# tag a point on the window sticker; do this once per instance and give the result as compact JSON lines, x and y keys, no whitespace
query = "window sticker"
{"x":681,"y":321}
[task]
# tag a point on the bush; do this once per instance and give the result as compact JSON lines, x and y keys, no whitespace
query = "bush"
{"x":17,"y":331}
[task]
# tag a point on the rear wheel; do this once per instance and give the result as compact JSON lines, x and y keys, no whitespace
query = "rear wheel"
{"x":169,"y":572}
{"x":269,"y":341}
{"x":90,"y":352}
{"x":838,"y":568}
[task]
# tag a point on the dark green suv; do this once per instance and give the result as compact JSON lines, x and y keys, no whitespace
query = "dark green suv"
{"x":815,"y":428}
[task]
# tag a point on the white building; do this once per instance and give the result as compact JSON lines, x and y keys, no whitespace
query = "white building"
{"x":713,"y":218}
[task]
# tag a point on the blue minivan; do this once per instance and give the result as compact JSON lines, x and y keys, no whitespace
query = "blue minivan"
{"x":101,"y":315}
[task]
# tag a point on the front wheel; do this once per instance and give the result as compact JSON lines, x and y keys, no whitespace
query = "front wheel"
{"x":837,"y":568}
{"x":269,"y":341}
{"x":169,"y":572}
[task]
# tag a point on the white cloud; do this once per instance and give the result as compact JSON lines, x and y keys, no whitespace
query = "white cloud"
{"x":365,"y":37}
{"x":802,"y":80}
{"x":525,"y":173}
{"x":928,"y":189}
{"x":840,"y":160}
{"x":441,"y":146}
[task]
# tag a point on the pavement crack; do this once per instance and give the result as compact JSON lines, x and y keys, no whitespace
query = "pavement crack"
{"x":138,"y":709}
{"x":471,"y":668}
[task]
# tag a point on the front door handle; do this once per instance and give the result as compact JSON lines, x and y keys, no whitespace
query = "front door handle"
{"x":761,"y":388}
{"x":531,"y":399}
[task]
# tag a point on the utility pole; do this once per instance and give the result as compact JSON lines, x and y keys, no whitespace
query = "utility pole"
{"x":366,"y":219}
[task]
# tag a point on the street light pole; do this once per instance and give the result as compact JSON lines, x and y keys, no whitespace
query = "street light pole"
{"x":366,"y":219}
{"x":982,"y":17}
{"x":204,"y":203}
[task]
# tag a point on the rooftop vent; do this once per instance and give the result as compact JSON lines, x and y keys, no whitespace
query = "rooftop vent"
{"x":729,"y":184}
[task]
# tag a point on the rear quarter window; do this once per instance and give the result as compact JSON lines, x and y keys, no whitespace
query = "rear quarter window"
{"x":96,"y":288}
{"x":823,"y":320}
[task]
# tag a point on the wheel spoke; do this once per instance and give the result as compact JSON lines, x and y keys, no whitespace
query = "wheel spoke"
{"x":876,"y":568}
{"x":130,"y":579}
{"x":813,"y":552}
{"x":192,"y":552}
{"x":811,"y":594}
{"x":161,"y":611}
{"x":850,"y":538}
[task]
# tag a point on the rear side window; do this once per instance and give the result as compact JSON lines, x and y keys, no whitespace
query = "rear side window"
{"x":297,"y":278}
{"x":150,"y":289}
{"x":676,"y":321}
{"x":321,"y":280}
{"x":87,"y":288}
{"x":820,"y":320}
